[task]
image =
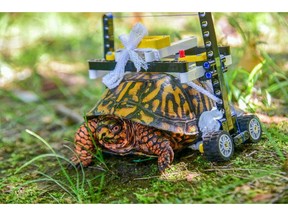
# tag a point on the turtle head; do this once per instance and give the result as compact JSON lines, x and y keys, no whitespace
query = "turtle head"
{"x":109,"y":130}
{"x":112,"y":133}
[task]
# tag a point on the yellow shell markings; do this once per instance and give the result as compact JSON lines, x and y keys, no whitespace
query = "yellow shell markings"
{"x":155,"y":105}
{"x":171,"y":110}
{"x":146,"y":76}
{"x":208,"y":102}
{"x":200,"y":102}
{"x":154,"y":92}
{"x":125,"y":111}
{"x":168,"y":90}
{"x":175,"y":107}
{"x":191,"y":129}
{"x":118,"y":89}
{"x":134,"y":92}
{"x":122,"y":91}
{"x":139,"y":76}
{"x":165,"y":126}
{"x":152,"y":99}
{"x":147,"y":89}
{"x":199,"y":105}
{"x":104,"y":108}
{"x":145,"y":118}
{"x":179,"y":130}
{"x":185,"y":109}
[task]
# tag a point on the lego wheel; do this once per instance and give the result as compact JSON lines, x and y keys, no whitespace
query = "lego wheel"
{"x":218,"y":146}
{"x":252,"y":124}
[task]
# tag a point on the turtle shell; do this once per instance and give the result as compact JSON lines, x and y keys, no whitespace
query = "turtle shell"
{"x":155,"y":99}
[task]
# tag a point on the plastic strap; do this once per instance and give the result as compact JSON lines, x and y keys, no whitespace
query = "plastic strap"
{"x":205,"y":92}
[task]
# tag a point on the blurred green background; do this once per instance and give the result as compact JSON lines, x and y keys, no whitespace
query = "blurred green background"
{"x":47,"y":53}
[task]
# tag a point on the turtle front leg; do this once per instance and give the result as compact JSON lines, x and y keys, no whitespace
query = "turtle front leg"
{"x":84,"y":144}
{"x":153,"y":141}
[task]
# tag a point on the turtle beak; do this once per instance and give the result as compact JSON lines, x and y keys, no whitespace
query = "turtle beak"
{"x":102,"y":133}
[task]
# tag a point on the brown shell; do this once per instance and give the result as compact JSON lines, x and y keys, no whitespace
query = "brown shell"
{"x":154,"y":99}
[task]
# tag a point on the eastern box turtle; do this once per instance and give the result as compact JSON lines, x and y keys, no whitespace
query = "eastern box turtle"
{"x":148,"y":114}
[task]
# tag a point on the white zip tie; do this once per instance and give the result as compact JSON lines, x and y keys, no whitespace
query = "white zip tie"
{"x":130,"y":43}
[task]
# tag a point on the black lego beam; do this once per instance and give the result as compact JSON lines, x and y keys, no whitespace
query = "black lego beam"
{"x":157,"y":66}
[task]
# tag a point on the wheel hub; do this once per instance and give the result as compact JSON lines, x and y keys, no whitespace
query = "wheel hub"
{"x":225,"y":144}
{"x":254,"y":129}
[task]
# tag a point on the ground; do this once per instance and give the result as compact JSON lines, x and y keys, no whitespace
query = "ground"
{"x":256,"y":174}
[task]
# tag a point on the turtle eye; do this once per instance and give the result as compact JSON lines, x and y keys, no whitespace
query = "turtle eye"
{"x":116,"y":128}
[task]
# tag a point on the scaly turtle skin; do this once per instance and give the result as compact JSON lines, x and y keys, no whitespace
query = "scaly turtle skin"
{"x":148,"y":113}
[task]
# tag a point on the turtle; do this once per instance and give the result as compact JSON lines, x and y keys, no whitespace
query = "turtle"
{"x":151,"y":114}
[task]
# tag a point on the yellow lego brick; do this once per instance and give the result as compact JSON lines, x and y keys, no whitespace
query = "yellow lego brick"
{"x":156,"y":42}
{"x":110,"y":56}
{"x":194,"y":58}
{"x":201,"y":148}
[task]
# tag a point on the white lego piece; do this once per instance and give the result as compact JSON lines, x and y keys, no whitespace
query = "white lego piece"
{"x":151,"y":55}
{"x":94,"y":74}
{"x":184,"y":44}
{"x":148,"y":55}
{"x":195,"y":72}
{"x":228,"y":60}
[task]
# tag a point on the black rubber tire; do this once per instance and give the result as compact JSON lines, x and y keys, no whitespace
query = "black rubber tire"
{"x":214,"y":148}
{"x":252,"y":124}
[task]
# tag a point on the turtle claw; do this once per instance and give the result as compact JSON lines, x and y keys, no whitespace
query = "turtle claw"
{"x":74,"y":163}
{"x":165,"y":159}
{"x":163,"y":172}
{"x":70,"y":166}
{"x":78,"y":163}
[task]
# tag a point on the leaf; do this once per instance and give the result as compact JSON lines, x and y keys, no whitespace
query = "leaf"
{"x":191,"y":176}
{"x":244,"y":188}
{"x":262,"y":197}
